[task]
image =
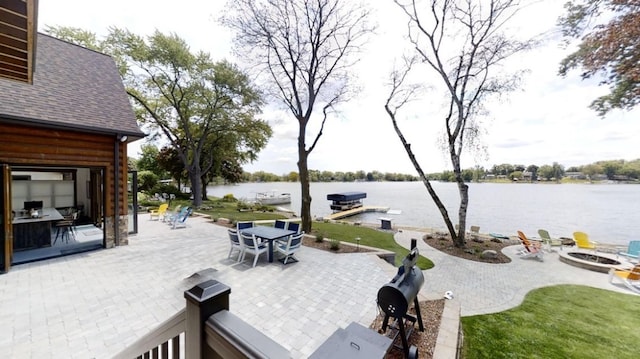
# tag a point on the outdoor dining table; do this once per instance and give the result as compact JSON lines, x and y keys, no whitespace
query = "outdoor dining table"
{"x":269,"y":234}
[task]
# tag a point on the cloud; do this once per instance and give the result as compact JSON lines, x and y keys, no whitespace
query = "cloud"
{"x":547,"y":120}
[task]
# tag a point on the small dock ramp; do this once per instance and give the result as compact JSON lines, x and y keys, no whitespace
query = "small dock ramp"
{"x":354,"y":211}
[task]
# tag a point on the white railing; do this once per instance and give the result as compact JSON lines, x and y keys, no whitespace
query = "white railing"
{"x":163,"y":342}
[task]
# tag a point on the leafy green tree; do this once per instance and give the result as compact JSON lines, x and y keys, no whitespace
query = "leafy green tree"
{"x":558,"y":171}
{"x":591,"y":170}
{"x":503,"y":169}
{"x":546,"y":172}
{"x":132,"y":164}
{"x":609,"y":49}
{"x":292,"y":176}
{"x":515,"y":175}
{"x":462,"y":44}
{"x":611,"y":168}
{"x":76,"y":36}
{"x":169,"y":160}
{"x":326,"y":176}
{"x":147,"y":180}
{"x":467,"y":175}
{"x":305,"y":48}
{"x":148,"y":160}
{"x":187,"y":97}
{"x":534,"y":172}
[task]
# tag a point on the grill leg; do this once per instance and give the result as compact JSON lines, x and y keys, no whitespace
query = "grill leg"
{"x":403,"y":336}
{"x":385,"y":323}
{"x":416,"y":304}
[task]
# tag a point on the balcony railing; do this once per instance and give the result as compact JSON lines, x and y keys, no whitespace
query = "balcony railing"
{"x":207,"y":329}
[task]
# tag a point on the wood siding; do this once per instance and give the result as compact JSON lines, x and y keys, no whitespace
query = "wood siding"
{"x":34,"y":146}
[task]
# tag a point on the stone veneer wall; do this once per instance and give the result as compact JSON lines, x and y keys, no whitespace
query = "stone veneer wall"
{"x":123,"y":227}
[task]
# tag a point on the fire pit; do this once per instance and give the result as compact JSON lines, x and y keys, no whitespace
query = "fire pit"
{"x":597,"y":262}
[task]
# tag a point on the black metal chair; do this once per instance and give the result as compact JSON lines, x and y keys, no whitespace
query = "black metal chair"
{"x":66,"y":228}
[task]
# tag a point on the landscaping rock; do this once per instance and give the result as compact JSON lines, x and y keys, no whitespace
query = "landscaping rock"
{"x":489,"y":254}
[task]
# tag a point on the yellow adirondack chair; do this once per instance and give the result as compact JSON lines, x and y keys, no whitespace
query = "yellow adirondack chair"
{"x":582,"y":241}
{"x":629,"y":277}
{"x":157,"y":213}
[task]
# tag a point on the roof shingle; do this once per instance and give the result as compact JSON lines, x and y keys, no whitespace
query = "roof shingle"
{"x":73,"y":87}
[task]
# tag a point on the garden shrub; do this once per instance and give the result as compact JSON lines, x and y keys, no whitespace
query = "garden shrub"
{"x":334,"y":245}
{"x":229,"y":198}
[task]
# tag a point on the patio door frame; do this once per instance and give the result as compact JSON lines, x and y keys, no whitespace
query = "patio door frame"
{"x":96,"y":194}
{"x":6,"y":219}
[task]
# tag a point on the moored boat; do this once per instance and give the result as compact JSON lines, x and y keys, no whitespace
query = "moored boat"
{"x":272,"y":198}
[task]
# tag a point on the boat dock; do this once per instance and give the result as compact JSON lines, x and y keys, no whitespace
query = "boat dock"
{"x":354,"y":211}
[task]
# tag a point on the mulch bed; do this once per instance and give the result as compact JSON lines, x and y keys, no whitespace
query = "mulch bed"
{"x":472,"y":251}
{"x":326,"y":246}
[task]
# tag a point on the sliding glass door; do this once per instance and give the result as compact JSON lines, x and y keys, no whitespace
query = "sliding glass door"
{"x":6,"y":218}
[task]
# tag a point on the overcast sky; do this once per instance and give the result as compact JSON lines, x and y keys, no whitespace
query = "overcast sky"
{"x":547,"y":120}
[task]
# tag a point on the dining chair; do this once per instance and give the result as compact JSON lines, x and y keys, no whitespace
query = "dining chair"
{"x":243,"y":225}
{"x":290,"y":247}
{"x":236,"y":244}
{"x":66,"y":228}
{"x":252,"y":246}
{"x":280,"y":224}
{"x":293,"y":226}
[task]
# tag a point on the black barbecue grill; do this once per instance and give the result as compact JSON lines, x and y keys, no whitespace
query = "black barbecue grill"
{"x":395,"y":298}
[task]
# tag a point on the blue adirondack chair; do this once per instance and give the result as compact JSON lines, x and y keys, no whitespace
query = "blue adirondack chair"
{"x":179,"y":221}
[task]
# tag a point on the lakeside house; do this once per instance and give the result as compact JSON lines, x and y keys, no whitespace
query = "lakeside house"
{"x":65,"y":121}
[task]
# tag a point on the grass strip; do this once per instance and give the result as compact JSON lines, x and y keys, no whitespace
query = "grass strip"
{"x":563,"y":321}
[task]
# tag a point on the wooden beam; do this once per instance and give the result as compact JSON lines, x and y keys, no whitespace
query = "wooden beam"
{"x":18,"y":32}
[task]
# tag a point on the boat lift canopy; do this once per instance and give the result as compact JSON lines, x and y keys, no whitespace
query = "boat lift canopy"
{"x":346,"y":196}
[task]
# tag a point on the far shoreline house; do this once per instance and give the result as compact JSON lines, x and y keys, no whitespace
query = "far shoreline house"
{"x":64,"y":128}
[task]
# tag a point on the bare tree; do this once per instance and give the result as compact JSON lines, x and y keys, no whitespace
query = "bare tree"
{"x":463,"y":43}
{"x":306,"y":49}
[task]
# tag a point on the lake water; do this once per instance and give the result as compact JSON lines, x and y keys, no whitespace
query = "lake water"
{"x":609,"y":213}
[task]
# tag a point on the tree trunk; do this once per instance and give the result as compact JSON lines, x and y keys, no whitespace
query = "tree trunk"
{"x":463,"y":190}
{"x":459,"y":240}
{"x":196,"y":185}
{"x":305,"y":208}
{"x":204,"y":189}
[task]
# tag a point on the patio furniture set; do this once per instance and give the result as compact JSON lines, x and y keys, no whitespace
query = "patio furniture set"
{"x":284,"y":238}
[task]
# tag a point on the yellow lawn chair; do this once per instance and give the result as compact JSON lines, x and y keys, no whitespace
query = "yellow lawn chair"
{"x":629,"y":277}
{"x":582,"y":241}
{"x":157,"y":213}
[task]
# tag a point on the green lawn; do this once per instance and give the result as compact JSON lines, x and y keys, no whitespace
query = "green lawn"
{"x":564,"y":321}
{"x":342,"y":232}
{"x":368,"y":237}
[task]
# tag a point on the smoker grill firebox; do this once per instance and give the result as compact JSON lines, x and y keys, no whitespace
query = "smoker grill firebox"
{"x":395,"y":298}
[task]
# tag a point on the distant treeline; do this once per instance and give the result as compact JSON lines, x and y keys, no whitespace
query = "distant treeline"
{"x":616,"y":170}
{"x":602,"y":170}
{"x":328,"y":176}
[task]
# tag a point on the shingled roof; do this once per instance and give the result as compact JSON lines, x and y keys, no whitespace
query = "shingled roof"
{"x":74,"y":88}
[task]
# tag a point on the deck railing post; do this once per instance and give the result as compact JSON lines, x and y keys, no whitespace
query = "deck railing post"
{"x":202,"y":301}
